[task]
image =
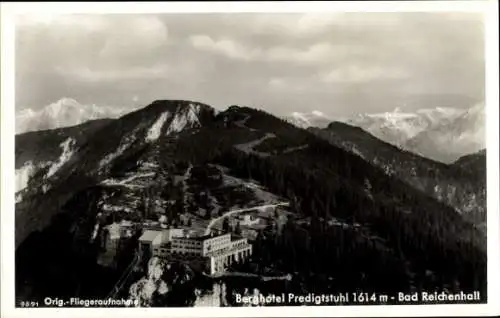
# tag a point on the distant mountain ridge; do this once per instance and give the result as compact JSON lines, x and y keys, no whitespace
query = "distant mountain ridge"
{"x":397,"y":127}
{"x":461,"y":185}
{"x":443,"y":134}
{"x":63,"y":113}
{"x":448,"y":140}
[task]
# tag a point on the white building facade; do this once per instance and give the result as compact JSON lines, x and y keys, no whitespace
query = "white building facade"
{"x":218,"y":251}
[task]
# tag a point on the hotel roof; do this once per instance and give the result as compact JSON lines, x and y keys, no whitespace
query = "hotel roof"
{"x":149,"y":236}
{"x":200,"y":237}
{"x":229,"y":250}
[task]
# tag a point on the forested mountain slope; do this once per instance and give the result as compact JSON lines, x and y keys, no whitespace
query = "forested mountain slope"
{"x":461,"y":188}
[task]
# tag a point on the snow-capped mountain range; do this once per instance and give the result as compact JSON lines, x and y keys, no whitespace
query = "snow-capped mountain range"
{"x":451,"y":139}
{"x":443,"y":133}
{"x":62,"y":113}
{"x":397,"y":127}
{"x":312,"y":119}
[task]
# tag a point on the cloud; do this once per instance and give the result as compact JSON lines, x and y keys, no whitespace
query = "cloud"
{"x":314,"y":22}
{"x":85,"y":74}
{"x":292,"y":84}
{"x":229,"y":48}
{"x":357,"y":74}
{"x":318,"y":23}
{"x":345,"y":75}
{"x":96,"y":44}
{"x":316,"y":53}
{"x":122,"y":42}
{"x":274,"y":60}
{"x":47,"y":19}
{"x":277,"y":82}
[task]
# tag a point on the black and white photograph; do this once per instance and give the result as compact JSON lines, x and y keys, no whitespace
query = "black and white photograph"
{"x":251,"y":159}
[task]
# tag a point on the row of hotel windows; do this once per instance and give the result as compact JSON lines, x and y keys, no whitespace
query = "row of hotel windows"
{"x":239,"y":243}
{"x":212,"y":246}
{"x":218,"y":239}
{"x":243,"y":253}
{"x":214,"y":241}
{"x":189,"y":248}
{"x":186,"y":242}
{"x":197,"y":243}
{"x":180,"y":245}
{"x":216,"y":244}
{"x":164,"y":251}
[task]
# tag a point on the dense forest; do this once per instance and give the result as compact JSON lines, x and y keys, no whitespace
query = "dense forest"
{"x":407,"y":242}
{"x":461,"y":185}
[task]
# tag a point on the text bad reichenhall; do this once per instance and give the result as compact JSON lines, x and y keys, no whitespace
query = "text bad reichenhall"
{"x":360,"y":298}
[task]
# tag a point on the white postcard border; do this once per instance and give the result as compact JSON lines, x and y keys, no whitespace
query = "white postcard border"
{"x":8,"y":10}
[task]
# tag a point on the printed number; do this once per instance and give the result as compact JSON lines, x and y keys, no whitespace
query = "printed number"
{"x":361,"y":298}
{"x":28,"y":304}
{"x":364,"y":297}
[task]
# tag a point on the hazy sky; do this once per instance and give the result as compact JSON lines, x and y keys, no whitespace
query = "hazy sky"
{"x":338,"y":63}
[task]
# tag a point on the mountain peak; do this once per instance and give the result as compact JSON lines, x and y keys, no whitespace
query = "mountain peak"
{"x":340,"y":124}
{"x":177,"y":102}
{"x":176,"y":105}
{"x":66,"y":101}
{"x":315,"y":118}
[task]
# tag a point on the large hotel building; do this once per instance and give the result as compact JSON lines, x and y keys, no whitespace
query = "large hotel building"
{"x":218,"y":251}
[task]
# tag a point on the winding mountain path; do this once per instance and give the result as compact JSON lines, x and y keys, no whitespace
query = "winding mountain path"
{"x":248,"y":147}
{"x":242,"y":123}
{"x":228,"y":213}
